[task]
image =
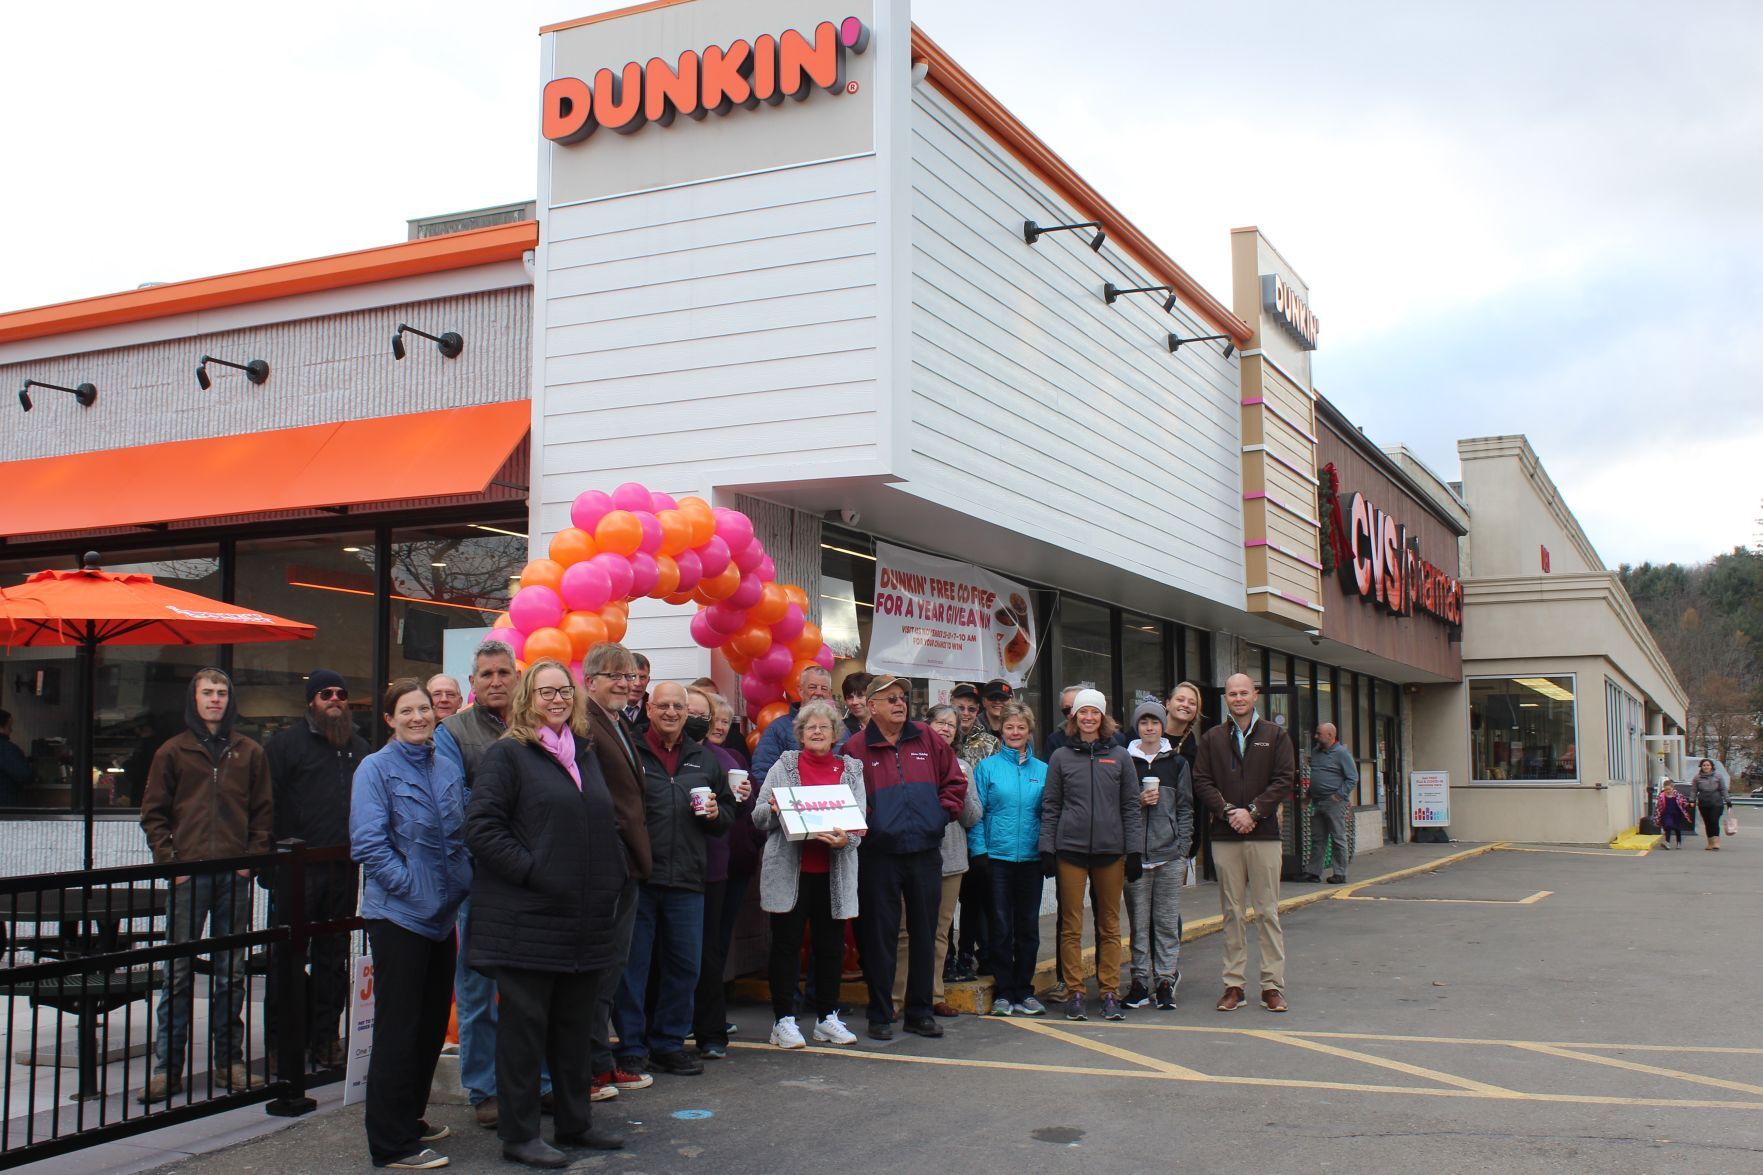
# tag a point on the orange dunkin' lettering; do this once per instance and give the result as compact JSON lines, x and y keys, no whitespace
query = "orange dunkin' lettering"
{"x":618,"y":98}
{"x":765,"y":70}
{"x":670,"y":90}
{"x":723,"y":74}
{"x":569,"y":110}
{"x":820,"y":62}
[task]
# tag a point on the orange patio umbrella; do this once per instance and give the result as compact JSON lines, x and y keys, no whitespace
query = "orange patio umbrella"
{"x":92,"y":607}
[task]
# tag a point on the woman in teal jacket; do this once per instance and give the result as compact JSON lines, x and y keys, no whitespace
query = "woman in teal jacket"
{"x":1010,"y":782}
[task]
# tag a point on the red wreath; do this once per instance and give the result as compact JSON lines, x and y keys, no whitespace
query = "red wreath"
{"x":1338,"y":552}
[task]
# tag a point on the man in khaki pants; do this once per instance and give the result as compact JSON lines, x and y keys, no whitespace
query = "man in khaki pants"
{"x":1242,"y":774}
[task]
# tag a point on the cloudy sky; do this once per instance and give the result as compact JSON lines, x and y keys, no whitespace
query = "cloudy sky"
{"x":1514,"y":217}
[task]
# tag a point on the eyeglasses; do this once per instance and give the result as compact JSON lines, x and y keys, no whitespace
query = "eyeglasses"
{"x":333,"y":691}
{"x":619,"y":676}
{"x":890,"y":700}
{"x":817,"y":728}
{"x":550,"y":693}
{"x":666,"y":707}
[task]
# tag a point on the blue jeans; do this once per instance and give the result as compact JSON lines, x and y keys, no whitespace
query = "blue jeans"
{"x":474,"y":995}
{"x":672,"y":919}
{"x":224,"y":902}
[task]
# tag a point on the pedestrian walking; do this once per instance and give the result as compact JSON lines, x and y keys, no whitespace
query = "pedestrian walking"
{"x":1153,"y":902}
{"x":1010,"y":782}
{"x":1712,"y":800}
{"x":1334,"y":777}
{"x":549,"y":868}
{"x":809,"y":884}
{"x":407,"y":829}
{"x":1092,"y":832}
{"x":942,"y":722}
{"x":1673,"y":813}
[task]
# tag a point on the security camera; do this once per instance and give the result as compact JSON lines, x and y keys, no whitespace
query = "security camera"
{"x":850,"y":515}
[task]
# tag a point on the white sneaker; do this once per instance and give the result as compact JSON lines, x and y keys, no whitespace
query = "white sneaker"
{"x":832,"y":1030}
{"x":785,"y":1034}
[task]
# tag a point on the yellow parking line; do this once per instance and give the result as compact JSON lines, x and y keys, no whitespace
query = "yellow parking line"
{"x":1532,"y":900}
{"x":1471,"y":1040}
{"x":1607,"y":854}
{"x":1384,"y":1063}
{"x":1637,"y":1067}
{"x":958,"y":1062}
{"x":1109,"y":1050}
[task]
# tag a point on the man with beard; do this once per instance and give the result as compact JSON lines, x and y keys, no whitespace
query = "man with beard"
{"x":312,"y":772}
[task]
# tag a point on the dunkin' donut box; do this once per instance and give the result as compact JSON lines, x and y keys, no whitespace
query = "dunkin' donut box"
{"x":804,"y":811}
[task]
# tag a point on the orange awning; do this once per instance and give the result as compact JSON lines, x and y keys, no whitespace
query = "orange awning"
{"x":385,"y":459}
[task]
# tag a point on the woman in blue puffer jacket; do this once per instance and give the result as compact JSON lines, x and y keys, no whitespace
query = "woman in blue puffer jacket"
{"x":1010,"y":781}
{"x":407,"y":829}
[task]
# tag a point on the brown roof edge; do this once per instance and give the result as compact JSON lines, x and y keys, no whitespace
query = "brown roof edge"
{"x":959,"y":86}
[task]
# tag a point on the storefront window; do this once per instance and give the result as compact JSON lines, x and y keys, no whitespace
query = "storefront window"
{"x":847,"y":597}
{"x":1523,"y":729}
{"x":1086,"y":647}
{"x":1143,"y":665}
{"x":448,"y":584}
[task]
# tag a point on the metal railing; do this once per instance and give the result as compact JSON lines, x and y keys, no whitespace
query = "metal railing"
{"x":101,"y":971}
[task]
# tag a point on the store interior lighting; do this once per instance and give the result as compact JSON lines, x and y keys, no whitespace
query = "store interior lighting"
{"x":1112,"y":293}
{"x":1032,"y":232}
{"x":257,"y":371}
{"x":86,"y":394}
{"x":1547,"y":688}
{"x":1176,"y":342}
{"x":449,"y":344}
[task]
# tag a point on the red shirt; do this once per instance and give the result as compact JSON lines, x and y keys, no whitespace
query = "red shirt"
{"x":669,"y":759}
{"x":818,"y":771}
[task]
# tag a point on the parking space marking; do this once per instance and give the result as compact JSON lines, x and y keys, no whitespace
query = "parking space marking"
{"x":1637,"y":1067}
{"x":1737,"y":1050}
{"x":1119,"y":1054}
{"x":1383,"y":1063}
{"x":1606,"y":854}
{"x":1532,"y":900}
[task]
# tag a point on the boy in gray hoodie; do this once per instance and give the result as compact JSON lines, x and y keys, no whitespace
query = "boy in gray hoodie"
{"x":1153,"y":902}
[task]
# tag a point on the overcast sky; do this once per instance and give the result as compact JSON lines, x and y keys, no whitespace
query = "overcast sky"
{"x":1513,"y":217}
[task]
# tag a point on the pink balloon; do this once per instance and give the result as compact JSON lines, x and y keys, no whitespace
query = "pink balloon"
{"x":651,"y":532}
{"x":512,"y":637}
{"x":644,"y":574}
{"x":659,"y":501}
{"x":714,"y":556}
{"x":790,"y":627}
{"x":534,"y":607}
{"x":747,"y":558}
{"x":634,"y":497}
{"x":585,"y":587}
{"x":575,"y":671}
{"x":589,"y":508}
{"x":735,"y":528}
{"x":724,"y":619}
{"x":767,"y":570}
{"x":690,"y":570}
{"x":704,"y":633}
{"x":746,"y":595}
{"x":824,"y":658}
{"x":775,"y":664}
{"x":618,"y":573}
{"x":759,"y":692}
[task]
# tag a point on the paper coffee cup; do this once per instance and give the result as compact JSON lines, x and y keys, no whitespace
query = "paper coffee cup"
{"x":737,"y":783}
{"x":701,"y":798}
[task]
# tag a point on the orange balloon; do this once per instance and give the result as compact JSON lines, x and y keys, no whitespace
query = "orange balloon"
{"x":619,"y":532}
{"x":701,"y":521}
{"x":772,"y":605}
{"x":572,"y":545}
{"x":721,"y":587}
{"x":797,"y":596}
{"x":616,"y":620}
{"x":771,"y":713}
{"x":750,"y":640}
{"x":545,"y":572}
{"x":807,"y":642}
{"x":681,"y":597}
{"x":793,"y":683}
{"x":676,"y":531}
{"x":501,"y":621}
{"x":553,"y":643}
{"x":739,"y":662}
{"x":753,"y":742}
{"x":666,"y":577}
{"x":699,"y":596}
{"x":585,"y":630}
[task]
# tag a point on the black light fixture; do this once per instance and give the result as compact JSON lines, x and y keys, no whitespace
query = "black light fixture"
{"x":1176,"y":342}
{"x":86,"y":394}
{"x":1032,"y":232}
{"x":1111,"y":292}
{"x":257,"y":371}
{"x":449,"y":344}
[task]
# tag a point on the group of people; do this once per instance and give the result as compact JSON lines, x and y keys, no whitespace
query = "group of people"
{"x":1675,"y":812}
{"x":563,"y":859}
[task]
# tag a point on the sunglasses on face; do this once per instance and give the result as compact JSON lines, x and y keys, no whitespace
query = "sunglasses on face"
{"x":330,"y":692}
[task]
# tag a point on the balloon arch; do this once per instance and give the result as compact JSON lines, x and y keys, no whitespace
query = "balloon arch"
{"x":632,"y":544}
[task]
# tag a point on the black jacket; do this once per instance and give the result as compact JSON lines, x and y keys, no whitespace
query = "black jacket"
{"x":676,"y":836}
{"x":549,"y":862}
{"x":312,"y":782}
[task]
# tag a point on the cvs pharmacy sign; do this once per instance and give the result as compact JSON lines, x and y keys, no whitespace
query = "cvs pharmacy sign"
{"x":713,"y":80}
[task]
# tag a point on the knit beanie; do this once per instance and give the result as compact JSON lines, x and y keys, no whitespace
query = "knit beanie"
{"x":323,"y":679}
{"x":1149,"y":710}
{"x":1089,"y":697}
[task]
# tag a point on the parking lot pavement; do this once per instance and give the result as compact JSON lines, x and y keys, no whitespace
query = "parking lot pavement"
{"x":1453,"y":1021}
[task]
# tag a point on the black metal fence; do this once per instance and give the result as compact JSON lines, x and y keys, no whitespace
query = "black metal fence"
{"x":105,"y":1034}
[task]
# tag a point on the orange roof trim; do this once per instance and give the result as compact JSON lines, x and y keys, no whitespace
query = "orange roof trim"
{"x":959,"y":87}
{"x":503,"y":242}
{"x":616,"y":13}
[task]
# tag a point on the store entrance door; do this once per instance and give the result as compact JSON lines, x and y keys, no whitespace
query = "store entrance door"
{"x":1392,"y":787}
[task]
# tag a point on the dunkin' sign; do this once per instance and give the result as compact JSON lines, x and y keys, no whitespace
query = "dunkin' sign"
{"x":713,"y":80}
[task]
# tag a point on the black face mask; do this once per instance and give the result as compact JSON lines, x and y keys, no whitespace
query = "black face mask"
{"x":697,"y":726}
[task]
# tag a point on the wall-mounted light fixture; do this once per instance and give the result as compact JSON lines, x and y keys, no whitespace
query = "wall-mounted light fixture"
{"x":1112,"y":292}
{"x":86,"y":394}
{"x":1032,"y":232}
{"x":1176,"y":342}
{"x":449,"y":344}
{"x":257,"y":371}
{"x":920,"y":70}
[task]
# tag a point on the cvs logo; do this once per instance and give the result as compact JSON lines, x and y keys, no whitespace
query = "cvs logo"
{"x":703,"y":81}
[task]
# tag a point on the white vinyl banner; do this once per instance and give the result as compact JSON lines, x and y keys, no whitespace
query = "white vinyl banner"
{"x":360,"y":1032}
{"x":942,"y":618}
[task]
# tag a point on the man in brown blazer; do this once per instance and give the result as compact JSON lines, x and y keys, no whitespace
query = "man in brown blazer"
{"x":609,"y":672}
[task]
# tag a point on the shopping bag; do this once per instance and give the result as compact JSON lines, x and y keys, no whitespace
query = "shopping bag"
{"x":1732,"y":824}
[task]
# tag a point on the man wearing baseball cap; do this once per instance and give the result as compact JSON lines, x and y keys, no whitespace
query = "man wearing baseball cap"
{"x":992,"y":695}
{"x":915,"y":788}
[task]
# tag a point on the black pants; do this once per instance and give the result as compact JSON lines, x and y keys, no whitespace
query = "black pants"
{"x":814,"y":910}
{"x":331,"y":893}
{"x":626,"y":915}
{"x":1711,"y":814}
{"x":545,"y":1016}
{"x":1671,"y":832}
{"x":976,"y":914}
{"x":1016,"y":927}
{"x":413,"y":992}
{"x":884,"y":881}
{"x":710,"y":1004}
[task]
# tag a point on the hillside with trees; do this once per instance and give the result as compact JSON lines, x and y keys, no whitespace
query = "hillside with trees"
{"x":1708,"y":618}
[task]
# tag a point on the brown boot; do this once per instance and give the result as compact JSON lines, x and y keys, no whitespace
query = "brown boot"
{"x":1273,"y":1001}
{"x":1231,"y":1000}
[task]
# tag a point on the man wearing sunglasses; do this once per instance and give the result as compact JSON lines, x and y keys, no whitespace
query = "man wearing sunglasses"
{"x":312,"y":771}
